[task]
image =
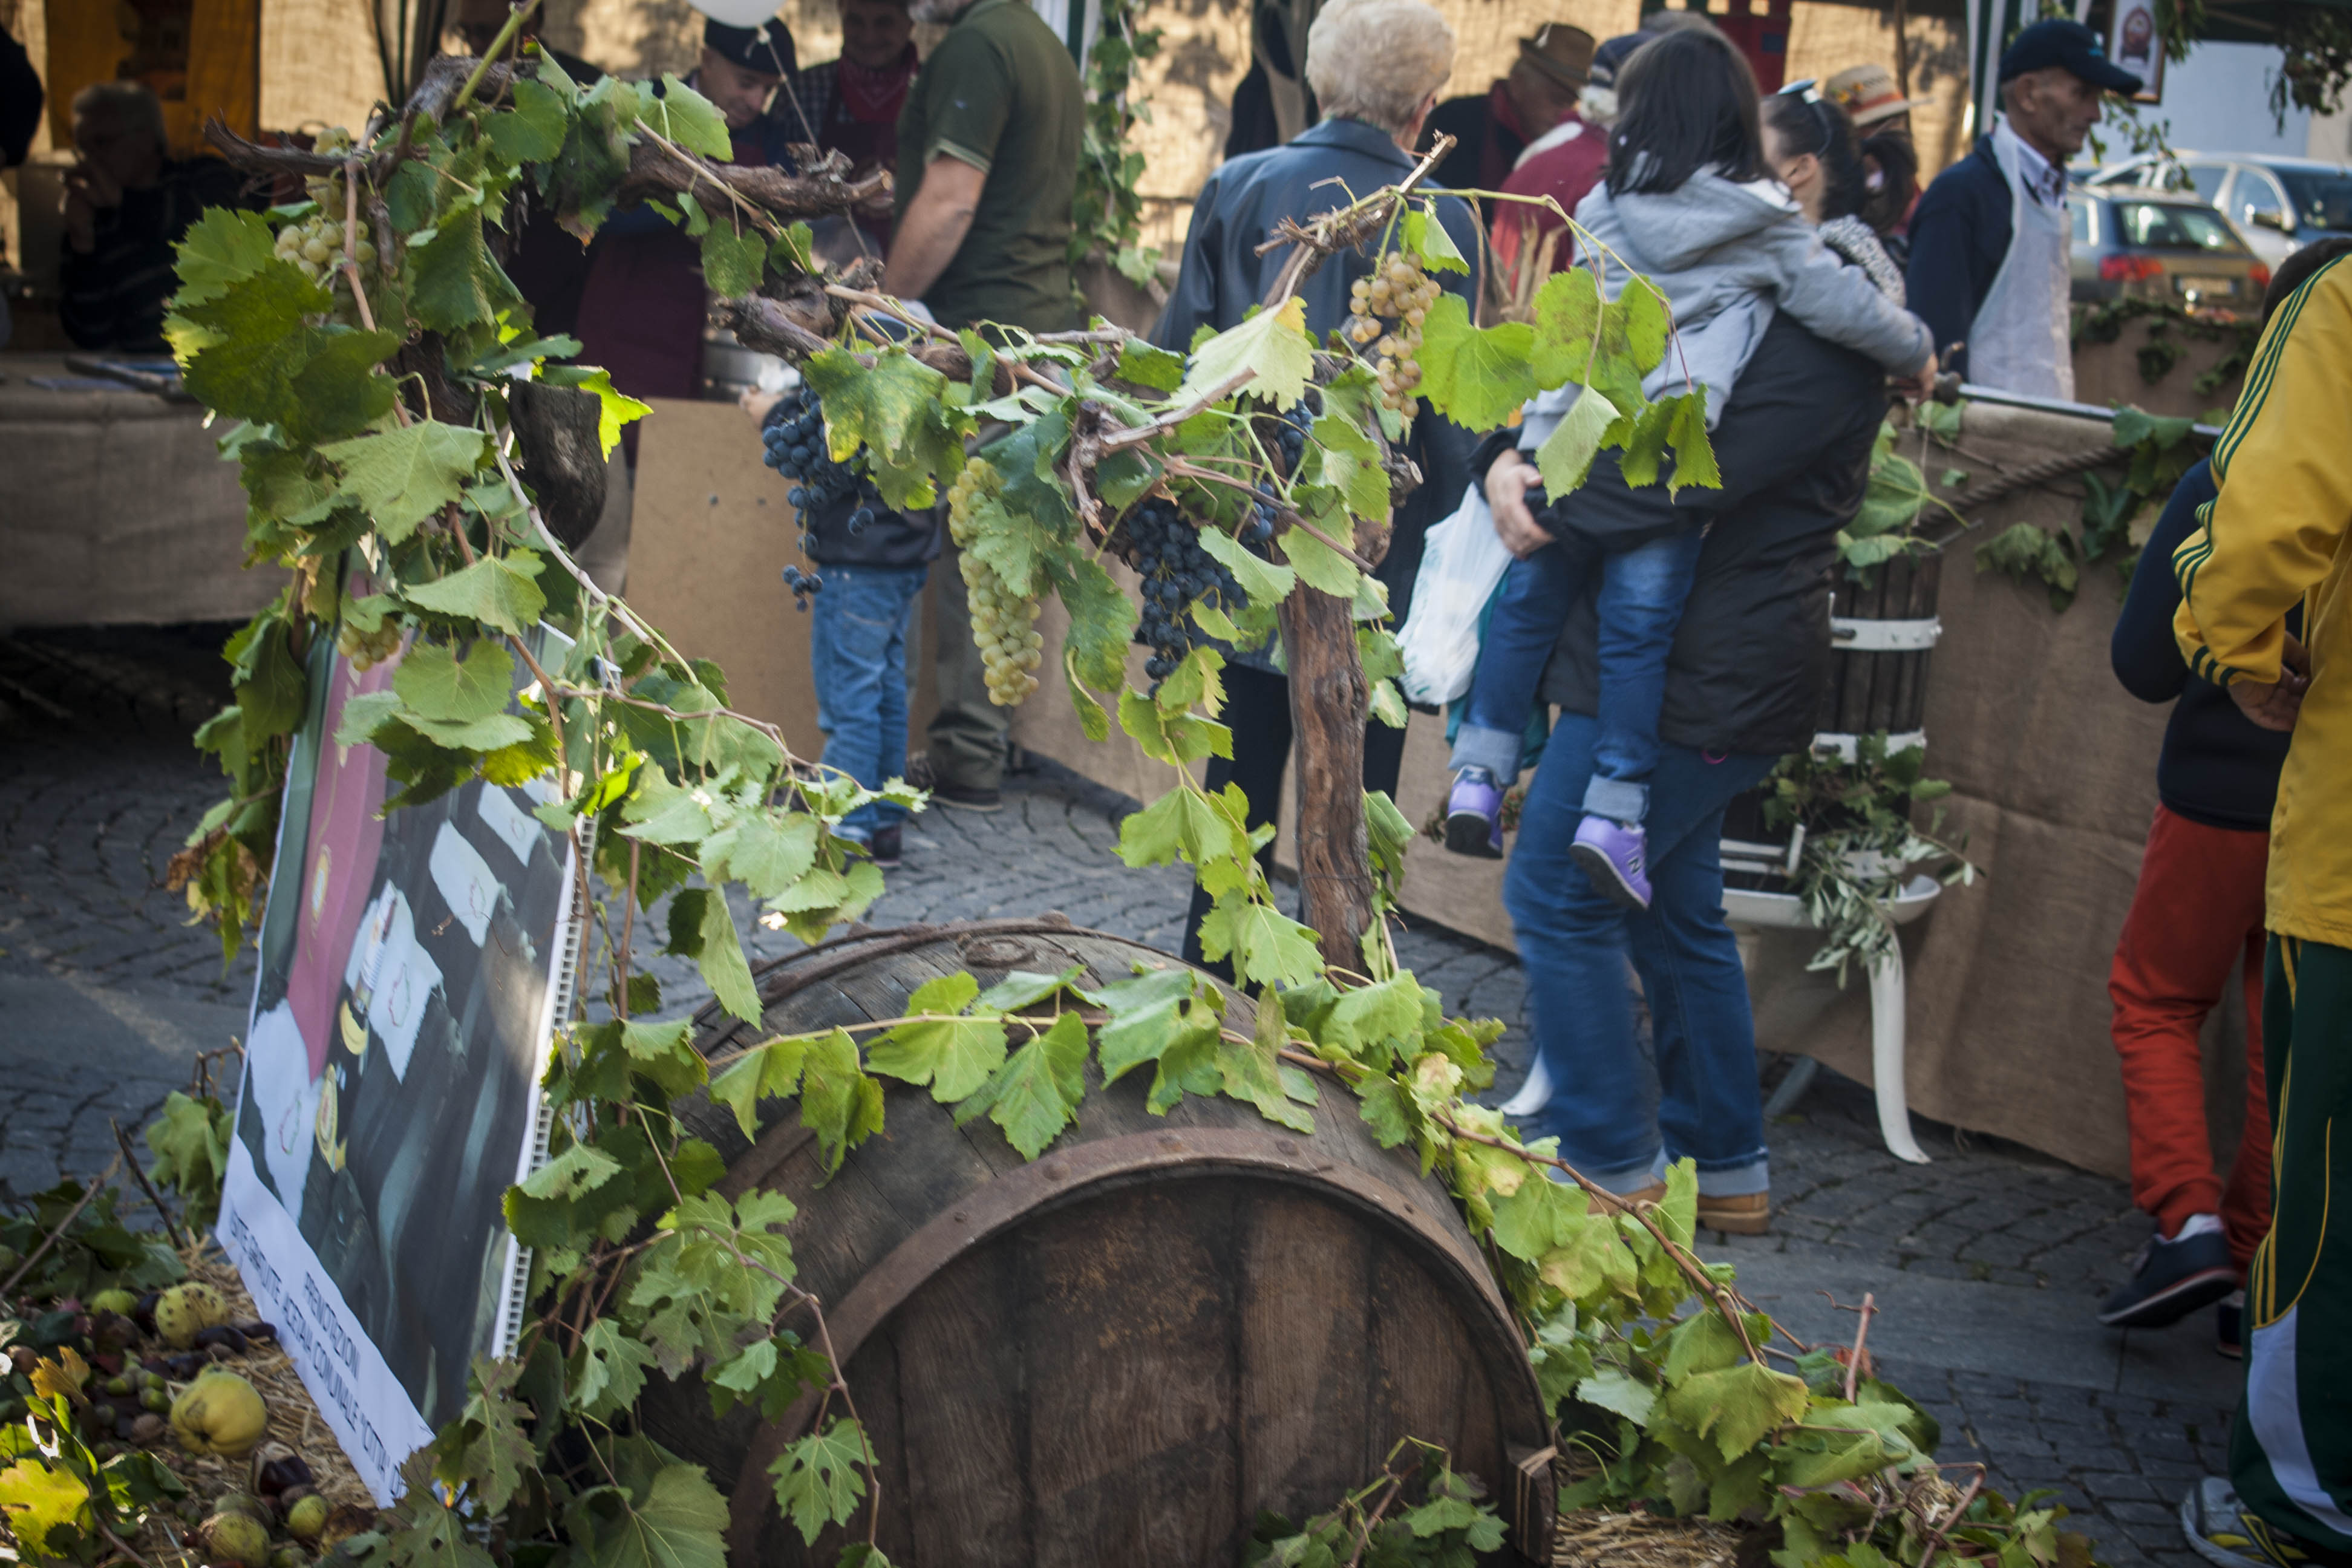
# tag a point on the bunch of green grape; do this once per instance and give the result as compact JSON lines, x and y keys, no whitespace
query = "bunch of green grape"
{"x":1399,"y":293}
{"x":1003,"y":623}
{"x":315,"y":243}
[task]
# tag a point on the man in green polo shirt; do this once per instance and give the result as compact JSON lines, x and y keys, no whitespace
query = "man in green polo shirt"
{"x":988,"y":163}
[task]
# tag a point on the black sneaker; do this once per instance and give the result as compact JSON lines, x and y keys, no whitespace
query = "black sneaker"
{"x":2230,"y":1326}
{"x":886,"y":846}
{"x":2171,"y":1279}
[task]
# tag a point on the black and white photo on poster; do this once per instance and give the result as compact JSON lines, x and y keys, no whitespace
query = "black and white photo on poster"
{"x":411,"y":966}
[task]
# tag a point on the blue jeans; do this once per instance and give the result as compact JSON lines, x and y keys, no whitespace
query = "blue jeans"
{"x":1573,"y":944}
{"x":1639,"y":605}
{"x":857,"y":653}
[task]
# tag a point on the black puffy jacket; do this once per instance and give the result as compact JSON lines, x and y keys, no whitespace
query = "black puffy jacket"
{"x":1751,"y":658}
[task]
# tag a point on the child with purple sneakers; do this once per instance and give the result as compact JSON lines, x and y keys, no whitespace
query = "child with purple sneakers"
{"x":1691,"y":204}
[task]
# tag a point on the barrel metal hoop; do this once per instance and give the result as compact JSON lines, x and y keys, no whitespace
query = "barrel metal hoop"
{"x":1064,"y":1176}
{"x":1848,"y":748}
{"x":1853,"y":634}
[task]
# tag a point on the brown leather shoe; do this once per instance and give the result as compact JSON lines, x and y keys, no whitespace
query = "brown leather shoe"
{"x":1653,"y":1193}
{"x":1747,"y":1214}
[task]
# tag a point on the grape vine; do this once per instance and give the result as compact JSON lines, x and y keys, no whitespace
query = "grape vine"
{"x":1248,"y":483}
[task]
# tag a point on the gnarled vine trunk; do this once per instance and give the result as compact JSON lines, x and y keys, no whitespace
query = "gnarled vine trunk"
{"x":1329,"y":700}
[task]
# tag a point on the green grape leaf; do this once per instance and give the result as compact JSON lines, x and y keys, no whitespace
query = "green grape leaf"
{"x":1645,"y":444}
{"x":839,"y":1103}
{"x":1263,"y":582}
{"x":1020,"y":989}
{"x":1349,"y":462}
{"x":1374,"y":1023}
{"x":1737,"y":1405}
{"x":1566,"y":456}
{"x":47,"y":1510}
{"x":1012,"y":544}
{"x":533,"y":131}
{"x":686,"y":118}
{"x":1475,"y":376}
{"x":1318,"y":565}
{"x":954,"y":1056}
{"x":454,"y":281}
{"x":1425,"y":236}
{"x":1265,"y":945}
{"x":436,"y":684}
{"x":1693,"y":453}
{"x":659,"y":812}
{"x":1612,"y":1390}
{"x":1272,"y":345}
{"x":771,"y":1070}
{"x":1529,"y":1223}
{"x":1125,"y":477}
{"x":495,"y":590}
{"x":1102,"y":621}
{"x":581,"y":1168}
{"x":249,"y":352}
{"x":222,"y":248}
{"x":733,"y":263}
{"x":614,"y":407}
{"x":1150,"y":1015}
{"x":897,"y":410}
{"x":1588,"y":1254}
{"x":1183,"y":824}
{"x":675,"y":1519}
{"x":1143,"y":364}
{"x":190,"y":1140}
{"x":608,"y":1372}
{"x":1252,"y":1073}
{"x":1388,"y":1111}
{"x":496,"y":1458}
{"x":819,"y":1479}
{"x":1177,"y":738}
{"x":1701,"y":1342}
{"x":1037,"y":1092}
{"x":766,"y":851}
{"x":1568,"y":317}
{"x":722,"y":963}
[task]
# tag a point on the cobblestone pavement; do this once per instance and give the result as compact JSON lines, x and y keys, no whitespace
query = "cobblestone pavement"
{"x":1987,"y":1262}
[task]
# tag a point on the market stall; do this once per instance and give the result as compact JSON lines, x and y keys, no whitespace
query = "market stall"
{"x":118,"y":506}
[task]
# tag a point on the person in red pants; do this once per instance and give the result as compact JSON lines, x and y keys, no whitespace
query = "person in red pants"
{"x":2196,"y":915}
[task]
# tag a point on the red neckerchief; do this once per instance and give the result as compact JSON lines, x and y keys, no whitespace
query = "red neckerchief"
{"x":875,"y":97}
{"x":1494,"y":161}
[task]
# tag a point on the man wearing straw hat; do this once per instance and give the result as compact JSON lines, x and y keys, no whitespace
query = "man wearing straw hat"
{"x":1491,"y":130}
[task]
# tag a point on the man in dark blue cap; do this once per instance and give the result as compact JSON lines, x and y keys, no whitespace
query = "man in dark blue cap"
{"x":1990,"y":260}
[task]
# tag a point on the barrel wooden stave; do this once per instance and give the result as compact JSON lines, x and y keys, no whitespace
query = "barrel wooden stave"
{"x":1872,"y":691}
{"x":1171,"y":1323}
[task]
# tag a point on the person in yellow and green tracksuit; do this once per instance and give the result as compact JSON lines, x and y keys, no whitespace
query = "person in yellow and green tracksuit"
{"x":2275,"y":536}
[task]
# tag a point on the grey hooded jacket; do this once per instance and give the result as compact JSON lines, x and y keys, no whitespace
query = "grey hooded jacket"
{"x":1727,"y":256}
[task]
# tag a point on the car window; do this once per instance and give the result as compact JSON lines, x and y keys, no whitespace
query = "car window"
{"x":2321,"y":199}
{"x":2256,"y":193}
{"x":2153,"y":226}
{"x":2081,"y":209}
{"x":2205,"y":179}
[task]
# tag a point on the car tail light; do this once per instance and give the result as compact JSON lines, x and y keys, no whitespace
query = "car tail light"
{"x":2129,"y":269}
{"x":2259,"y":276}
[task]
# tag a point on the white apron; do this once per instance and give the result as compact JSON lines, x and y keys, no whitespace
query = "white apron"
{"x":2022,"y":340}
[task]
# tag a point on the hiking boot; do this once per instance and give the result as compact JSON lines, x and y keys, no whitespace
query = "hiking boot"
{"x":1615,"y":856}
{"x":2171,"y":1279}
{"x":1474,"y":815}
{"x":2223,"y":1531}
{"x":2230,"y":1326}
{"x":1741,"y":1213}
{"x":963,"y":798}
{"x":888,"y":842}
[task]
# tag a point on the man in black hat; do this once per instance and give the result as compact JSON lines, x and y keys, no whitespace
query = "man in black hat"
{"x":641,"y":314}
{"x":1991,"y":252}
{"x":1490,"y":130}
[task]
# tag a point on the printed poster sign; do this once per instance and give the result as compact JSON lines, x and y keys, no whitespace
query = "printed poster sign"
{"x":412,"y":966}
{"x":2138,"y":45}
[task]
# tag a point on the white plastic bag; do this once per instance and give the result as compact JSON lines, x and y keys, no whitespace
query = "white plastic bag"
{"x":1460,"y":564}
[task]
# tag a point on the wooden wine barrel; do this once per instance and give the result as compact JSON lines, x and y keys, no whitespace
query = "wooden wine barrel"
{"x":1883,"y":632}
{"x":1123,"y":1351}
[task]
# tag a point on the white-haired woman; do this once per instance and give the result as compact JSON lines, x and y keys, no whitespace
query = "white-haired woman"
{"x":1375,"y":66}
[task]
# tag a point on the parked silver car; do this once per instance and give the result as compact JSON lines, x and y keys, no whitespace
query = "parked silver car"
{"x":2281,"y":204}
{"x":2135,"y":243}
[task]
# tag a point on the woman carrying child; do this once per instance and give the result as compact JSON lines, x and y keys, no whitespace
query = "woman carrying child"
{"x":1736,"y":683}
{"x":1689,"y":205}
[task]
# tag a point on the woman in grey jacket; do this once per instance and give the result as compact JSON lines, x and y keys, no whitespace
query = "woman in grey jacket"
{"x":1689,"y":205}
